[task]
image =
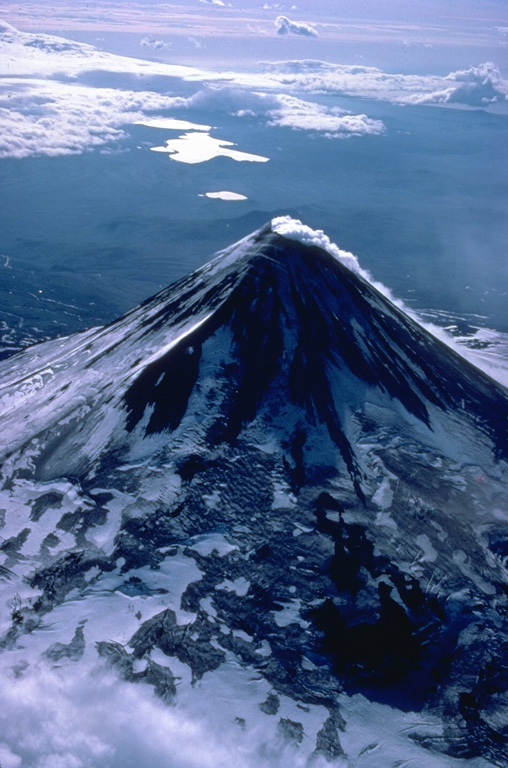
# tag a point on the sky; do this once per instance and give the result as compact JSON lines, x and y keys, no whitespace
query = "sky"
{"x":197,"y":29}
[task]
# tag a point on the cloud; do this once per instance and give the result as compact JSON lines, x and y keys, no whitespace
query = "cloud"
{"x":55,"y":117}
{"x":44,"y":117}
{"x":228,"y":99}
{"x":41,"y":117}
{"x":40,"y":55}
{"x":281,"y":110}
{"x":479,"y":86}
{"x":286,"y":27}
{"x":81,"y":714}
{"x":45,"y":109}
{"x":158,"y":45}
{"x":333,"y":123}
{"x":37,"y":55}
{"x":215,"y":2}
{"x":294,"y":229}
{"x":321,"y":77}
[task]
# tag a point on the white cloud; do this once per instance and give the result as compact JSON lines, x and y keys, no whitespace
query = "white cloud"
{"x":81,"y":715}
{"x":41,"y":117}
{"x":281,"y":110}
{"x":44,"y":117}
{"x":309,"y":116}
{"x":214,"y":2}
{"x":55,"y":117}
{"x":475,"y":87}
{"x":42,"y":55}
{"x":321,"y":77}
{"x":158,"y":45}
{"x":229,"y":99}
{"x":287,"y":27}
{"x":45,"y":109}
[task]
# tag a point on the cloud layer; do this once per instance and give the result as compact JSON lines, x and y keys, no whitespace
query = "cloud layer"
{"x":60,"y":115}
{"x":42,"y":117}
{"x":476,"y":86}
{"x":46,"y":107}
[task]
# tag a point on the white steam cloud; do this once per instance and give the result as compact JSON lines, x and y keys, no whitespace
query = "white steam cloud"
{"x":294,"y":229}
{"x":287,"y":27}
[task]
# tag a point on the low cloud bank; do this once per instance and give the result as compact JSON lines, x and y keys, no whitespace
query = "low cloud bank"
{"x":44,"y":117}
{"x":287,"y":27}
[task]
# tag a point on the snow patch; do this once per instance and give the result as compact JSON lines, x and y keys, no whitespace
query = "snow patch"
{"x":429,"y":553}
{"x":212,"y":500}
{"x":383,"y":497}
{"x":283,"y":498}
{"x":290,"y":614}
{"x":239,"y":586}
{"x":212,"y":542}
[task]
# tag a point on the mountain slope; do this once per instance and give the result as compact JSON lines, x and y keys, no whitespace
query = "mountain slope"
{"x":285,"y":475}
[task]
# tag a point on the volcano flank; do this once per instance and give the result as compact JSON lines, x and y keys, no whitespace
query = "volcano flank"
{"x":266,"y":472}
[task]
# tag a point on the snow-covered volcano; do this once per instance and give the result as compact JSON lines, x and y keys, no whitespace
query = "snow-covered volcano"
{"x":270,"y":488}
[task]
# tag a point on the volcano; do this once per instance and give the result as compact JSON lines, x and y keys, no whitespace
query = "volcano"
{"x":267,"y":473}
